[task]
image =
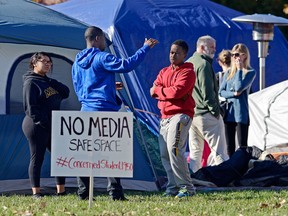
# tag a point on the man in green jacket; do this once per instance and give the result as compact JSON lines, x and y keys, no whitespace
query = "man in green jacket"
{"x":207,"y":123}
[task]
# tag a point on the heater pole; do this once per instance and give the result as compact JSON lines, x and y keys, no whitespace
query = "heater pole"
{"x":263,"y":32}
{"x":262,"y":54}
{"x":262,"y":73}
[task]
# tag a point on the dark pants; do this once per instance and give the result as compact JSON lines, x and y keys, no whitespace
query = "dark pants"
{"x":242,"y":135}
{"x":114,"y":187}
{"x":39,"y":140}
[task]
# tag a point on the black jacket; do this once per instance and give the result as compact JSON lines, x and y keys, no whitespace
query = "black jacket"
{"x":41,"y":95}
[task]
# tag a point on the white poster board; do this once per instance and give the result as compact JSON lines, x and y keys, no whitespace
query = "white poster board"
{"x":96,"y":144}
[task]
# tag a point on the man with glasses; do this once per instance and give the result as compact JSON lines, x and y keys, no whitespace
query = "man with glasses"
{"x":207,"y":123}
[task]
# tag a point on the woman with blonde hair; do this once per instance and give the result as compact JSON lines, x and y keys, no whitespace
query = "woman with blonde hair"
{"x":235,"y":87}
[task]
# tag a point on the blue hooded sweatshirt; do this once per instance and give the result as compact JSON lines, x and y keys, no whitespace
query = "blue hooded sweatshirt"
{"x":93,"y":76}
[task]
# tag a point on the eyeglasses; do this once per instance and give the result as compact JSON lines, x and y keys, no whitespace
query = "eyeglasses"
{"x":45,"y":61}
{"x":236,"y":54}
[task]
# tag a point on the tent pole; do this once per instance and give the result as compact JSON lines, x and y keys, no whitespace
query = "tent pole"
{"x":147,"y":152}
{"x":138,"y":125}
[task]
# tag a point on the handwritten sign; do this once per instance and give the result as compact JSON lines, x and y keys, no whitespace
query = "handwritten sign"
{"x":96,"y":144}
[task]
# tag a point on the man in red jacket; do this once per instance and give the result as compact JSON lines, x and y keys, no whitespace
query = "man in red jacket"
{"x":173,"y":89}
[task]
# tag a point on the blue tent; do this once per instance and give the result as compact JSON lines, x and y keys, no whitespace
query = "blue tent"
{"x":26,"y":28}
{"x":128,"y":22}
{"x":30,"y":23}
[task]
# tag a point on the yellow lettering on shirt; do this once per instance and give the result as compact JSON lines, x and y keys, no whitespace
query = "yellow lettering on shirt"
{"x":50,"y":91}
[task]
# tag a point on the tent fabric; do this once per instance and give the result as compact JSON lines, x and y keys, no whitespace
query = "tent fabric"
{"x":128,"y":22}
{"x":269,"y":117}
{"x":14,"y":154}
{"x":14,"y":159}
{"x":21,"y":34}
{"x":35,"y":24}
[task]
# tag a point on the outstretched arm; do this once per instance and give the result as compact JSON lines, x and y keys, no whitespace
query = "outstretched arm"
{"x":119,"y":65}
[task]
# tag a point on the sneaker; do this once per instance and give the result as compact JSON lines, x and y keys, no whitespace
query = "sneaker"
{"x":183,"y":192}
{"x":37,"y":196}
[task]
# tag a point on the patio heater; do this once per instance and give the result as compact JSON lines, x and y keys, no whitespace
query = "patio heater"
{"x":263,"y":26}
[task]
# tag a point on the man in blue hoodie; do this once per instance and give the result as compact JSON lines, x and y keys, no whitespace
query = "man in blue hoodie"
{"x":93,"y":75}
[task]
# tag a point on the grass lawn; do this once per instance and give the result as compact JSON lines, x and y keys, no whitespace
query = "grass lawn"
{"x":244,"y":202}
